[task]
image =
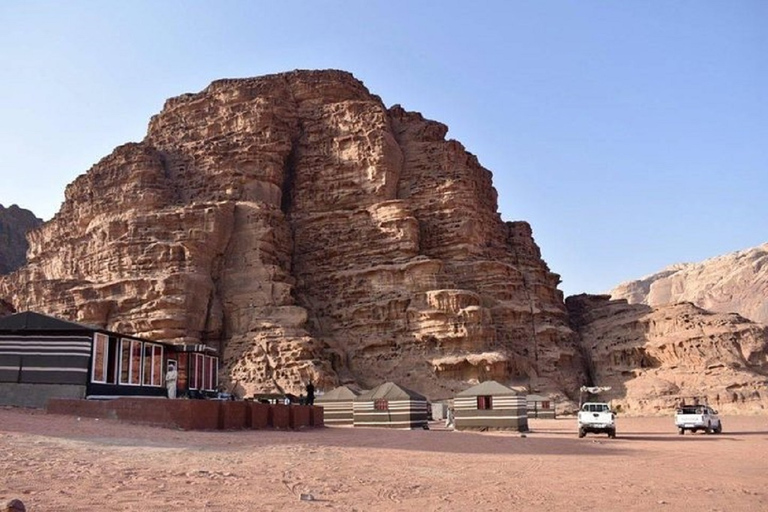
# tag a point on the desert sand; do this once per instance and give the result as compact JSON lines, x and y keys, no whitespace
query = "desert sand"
{"x":65,"y":463}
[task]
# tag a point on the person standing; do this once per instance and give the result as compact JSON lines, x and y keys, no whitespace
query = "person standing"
{"x":171,"y":377}
{"x":310,"y":393}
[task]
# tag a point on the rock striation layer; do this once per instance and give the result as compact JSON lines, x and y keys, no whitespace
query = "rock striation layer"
{"x":307,"y":231}
{"x":732,"y":283}
{"x":654,"y":356}
{"x":15,"y":223}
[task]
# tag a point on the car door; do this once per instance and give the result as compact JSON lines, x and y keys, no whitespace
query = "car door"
{"x":715,"y":418}
{"x":710,"y":418}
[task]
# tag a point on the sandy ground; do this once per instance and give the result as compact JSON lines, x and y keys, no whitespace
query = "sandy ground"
{"x":55,"y":463}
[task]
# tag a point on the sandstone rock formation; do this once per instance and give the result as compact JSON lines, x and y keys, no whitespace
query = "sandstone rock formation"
{"x":732,"y":283}
{"x":652,"y":357}
{"x":304,"y":229}
{"x":15,"y":223}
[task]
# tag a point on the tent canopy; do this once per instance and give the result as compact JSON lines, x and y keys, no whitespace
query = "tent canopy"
{"x":390,"y":391}
{"x":489,"y":388}
{"x":31,"y":321}
{"x":337,"y":394}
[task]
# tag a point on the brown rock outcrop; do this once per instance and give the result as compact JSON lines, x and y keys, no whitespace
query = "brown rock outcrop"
{"x":652,"y":357}
{"x":15,"y":223}
{"x":732,"y":283}
{"x":306,"y":230}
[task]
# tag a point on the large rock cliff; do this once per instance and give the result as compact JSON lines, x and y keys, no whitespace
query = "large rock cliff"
{"x":652,"y":357}
{"x":15,"y":223}
{"x":732,"y":283}
{"x":304,"y":229}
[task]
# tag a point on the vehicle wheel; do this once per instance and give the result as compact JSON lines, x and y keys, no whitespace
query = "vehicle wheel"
{"x":582,"y":433}
{"x":719,"y":428}
{"x":681,"y":431}
{"x":708,"y":430}
{"x":612,"y":434}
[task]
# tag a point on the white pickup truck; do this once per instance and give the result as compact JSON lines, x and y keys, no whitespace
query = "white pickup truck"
{"x":597,"y":417}
{"x":697,"y":417}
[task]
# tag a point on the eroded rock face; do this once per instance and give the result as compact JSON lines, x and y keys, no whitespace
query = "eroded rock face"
{"x":732,"y":283}
{"x":15,"y":223}
{"x":307,"y":231}
{"x":653,"y":356}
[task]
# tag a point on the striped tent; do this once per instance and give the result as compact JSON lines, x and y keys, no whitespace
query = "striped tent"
{"x":490,"y":405}
{"x":392,"y":406}
{"x":540,"y":407}
{"x":44,"y":357}
{"x":337,"y":405}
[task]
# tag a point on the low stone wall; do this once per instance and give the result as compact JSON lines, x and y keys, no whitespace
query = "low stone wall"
{"x":300,"y":416}
{"x":259,"y":415}
{"x":280,"y":416}
{"x":36,"y":395}
{"x":317,"y":416}
{"x":233,"y":415}
{"x":193,"y":414}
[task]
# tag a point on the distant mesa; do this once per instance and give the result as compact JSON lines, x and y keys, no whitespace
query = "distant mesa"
{"x":732,"y":283}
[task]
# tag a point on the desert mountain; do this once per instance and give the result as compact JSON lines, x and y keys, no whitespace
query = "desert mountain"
{"x":306,"y":230}
{"x":732,"y":283}
{"x":653,"y":356}
{"x":15,"y":223}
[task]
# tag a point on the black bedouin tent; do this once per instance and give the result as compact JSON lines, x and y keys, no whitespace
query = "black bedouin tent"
{"x":44,"y":357}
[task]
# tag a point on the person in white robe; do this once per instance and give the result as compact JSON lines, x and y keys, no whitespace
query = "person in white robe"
{"x":171,"y":377}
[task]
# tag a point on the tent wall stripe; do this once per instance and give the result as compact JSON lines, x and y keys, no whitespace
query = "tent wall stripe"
{"x":45,"y":359}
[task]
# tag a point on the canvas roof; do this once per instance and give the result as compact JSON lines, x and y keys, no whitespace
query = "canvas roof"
{"x":37,"y":322}
{"x":390,"y":391}
{"x":31,"y":321}
{"x":488,"y":388}
{"x":537,"y":398}
{"x":337,"y":394}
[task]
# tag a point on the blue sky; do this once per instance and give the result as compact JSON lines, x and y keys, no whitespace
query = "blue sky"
{"x":631,"y":135}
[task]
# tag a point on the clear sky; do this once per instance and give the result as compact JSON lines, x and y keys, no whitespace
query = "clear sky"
{"x":630,"y":134}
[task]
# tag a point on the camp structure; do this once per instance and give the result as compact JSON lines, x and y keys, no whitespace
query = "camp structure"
{"x":338,"y":405}
{"x":392,"y":406}
{"x":492,"y":406}
{"x":44,"y":357}
{"x":539,"y":407}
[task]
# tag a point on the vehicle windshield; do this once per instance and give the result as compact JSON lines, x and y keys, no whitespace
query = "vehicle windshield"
{"x":595,"y":408}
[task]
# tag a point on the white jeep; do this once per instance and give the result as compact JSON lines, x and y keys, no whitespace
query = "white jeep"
{"x":697,"y":417}
{"x":597,"y":417}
